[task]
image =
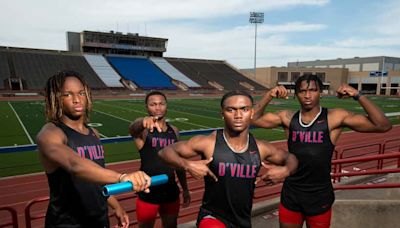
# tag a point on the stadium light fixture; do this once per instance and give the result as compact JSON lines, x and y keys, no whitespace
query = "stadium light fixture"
{"x":256,"y":18}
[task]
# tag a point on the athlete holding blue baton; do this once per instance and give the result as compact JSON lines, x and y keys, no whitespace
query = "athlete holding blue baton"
{"x":73,"y":159}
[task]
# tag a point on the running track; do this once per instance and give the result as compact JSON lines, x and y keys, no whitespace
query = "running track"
{"x":16,"y":191}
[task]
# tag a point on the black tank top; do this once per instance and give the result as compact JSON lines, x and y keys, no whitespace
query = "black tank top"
{"x":75,"y":202}
{"x":311,"y":184}
{"x":231,"y":197}
{"x":152,"y":165}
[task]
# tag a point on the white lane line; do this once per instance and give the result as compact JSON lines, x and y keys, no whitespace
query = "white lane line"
{"x":22,"y":125}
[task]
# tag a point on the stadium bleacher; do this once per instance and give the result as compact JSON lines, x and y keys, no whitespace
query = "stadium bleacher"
{"x":165,"y":66}
{"x":35,"y":67}
{"x":141,"y":71}
{"x":4,"y":69}
{"x":104,"y":70}
{"x":213,"y":73}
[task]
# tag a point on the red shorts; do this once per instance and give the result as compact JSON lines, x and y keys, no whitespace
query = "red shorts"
{"x":292,"y":217}
{"x":148,"y":211}
{"x":211,"y":223}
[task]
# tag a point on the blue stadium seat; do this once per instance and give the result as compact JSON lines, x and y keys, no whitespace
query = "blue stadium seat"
{"x":141,"y":71}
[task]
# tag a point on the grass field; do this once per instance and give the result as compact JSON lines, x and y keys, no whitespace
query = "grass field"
{"x":21,"y":120}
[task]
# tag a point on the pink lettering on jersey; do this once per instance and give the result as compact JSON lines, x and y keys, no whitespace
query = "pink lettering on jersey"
{"x":308,"y":136}
{"x":294,"y":136}
{"x":93,"y":152}
{"x":81,"y":151}
{"x":161,"y":142}
{"x":154,"y":142}
{"x":233,"y":169}
{"x":237,"y":170}
{"x":221,"y":169}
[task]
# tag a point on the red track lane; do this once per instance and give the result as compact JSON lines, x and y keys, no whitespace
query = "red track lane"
{"x":18,"y":190}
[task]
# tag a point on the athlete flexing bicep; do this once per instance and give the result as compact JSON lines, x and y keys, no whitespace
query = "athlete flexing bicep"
{"x":268,"y":119}
{"x":373,"y":121}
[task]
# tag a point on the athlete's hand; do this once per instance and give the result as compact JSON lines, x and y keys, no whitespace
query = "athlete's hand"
{"x":151,"y":122}
{"x":346,"y":91}
{"x":140,"y":180}
{"x":274,"y":174}
{"x":122,"y":217}
{"x":186,"y":198}
{"x":199,"y":169}
{"x":278,"y":92}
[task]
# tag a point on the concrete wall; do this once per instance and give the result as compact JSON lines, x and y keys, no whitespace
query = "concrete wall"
{"x":373,"y":208}
{"x":366,"y":213}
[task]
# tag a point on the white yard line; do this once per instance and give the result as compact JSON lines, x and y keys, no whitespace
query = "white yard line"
{"x":198,"y":125}
{"x":22,"y":125}
{"x":185,"y":122}
{"x":391,"y":114}
{"x":104,"y":136}
{"x":116,"y":117}
{"x":115,"y":106}
{"x":213,"y":118}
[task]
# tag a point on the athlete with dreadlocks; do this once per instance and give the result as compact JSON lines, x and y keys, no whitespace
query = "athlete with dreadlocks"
{"x":312,"y":133}
{"x":73,"y":159}
{"x":232,"y":158}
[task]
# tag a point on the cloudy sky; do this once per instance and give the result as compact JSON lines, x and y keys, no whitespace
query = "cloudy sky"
{"x":293,"y":30}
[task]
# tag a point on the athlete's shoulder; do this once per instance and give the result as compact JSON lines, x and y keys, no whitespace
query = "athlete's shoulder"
{"x":338,"y":113}
{"x":95,"y":131}
{"x":286,"y":116}
{"x":175,"y":129}
{"x":49,"y":132}
{"x":204,"y":139}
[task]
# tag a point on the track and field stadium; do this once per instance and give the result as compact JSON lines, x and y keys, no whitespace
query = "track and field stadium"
{"x":120,"y":76}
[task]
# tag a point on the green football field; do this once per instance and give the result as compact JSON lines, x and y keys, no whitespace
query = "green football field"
{"x":21,"y":120}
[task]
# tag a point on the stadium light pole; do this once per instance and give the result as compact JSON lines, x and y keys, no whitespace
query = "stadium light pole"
{"x":256,"y":18}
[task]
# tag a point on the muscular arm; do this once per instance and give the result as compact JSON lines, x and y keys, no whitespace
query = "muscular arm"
{"x":180,"y":173}
{"x":374,"y":121}
{"x":269,"y":120}
{"x":136,"y":127}
{"x":283,"y":163}
{"x":122,"y":217}
{"x":55,"y":153}
{"x":276,"y":92}
{"x":277,"y":156}
{"x":178,"y":154}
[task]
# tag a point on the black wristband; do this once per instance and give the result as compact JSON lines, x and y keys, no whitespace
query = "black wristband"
{"x":357,"y":97}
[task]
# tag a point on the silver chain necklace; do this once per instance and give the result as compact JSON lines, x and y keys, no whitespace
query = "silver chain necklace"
{"x":311,"y":123}
{"x":230,"y":147}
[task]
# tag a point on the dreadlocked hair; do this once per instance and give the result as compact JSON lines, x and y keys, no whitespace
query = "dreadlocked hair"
{"x":53,"y":93}
{"x":308,"y":78}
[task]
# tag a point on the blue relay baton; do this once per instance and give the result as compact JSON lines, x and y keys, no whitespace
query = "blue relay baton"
{"x":113,"y":189}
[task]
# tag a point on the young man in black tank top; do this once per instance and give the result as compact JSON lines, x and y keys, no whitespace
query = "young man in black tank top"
{"x":231,"y":161}
{"x":64,"y":142}
{"x":152,"y":133}
{"x":312,"y":134}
